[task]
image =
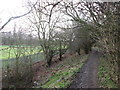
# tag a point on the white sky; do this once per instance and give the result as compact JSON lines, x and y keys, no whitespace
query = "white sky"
{"x":10,"y":8}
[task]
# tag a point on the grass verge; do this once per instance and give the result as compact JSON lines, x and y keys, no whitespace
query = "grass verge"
{"x":65,"y":72}
{"x":104,"y":77}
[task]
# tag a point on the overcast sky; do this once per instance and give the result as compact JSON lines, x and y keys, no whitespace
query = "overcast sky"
{"x":10,"y":8}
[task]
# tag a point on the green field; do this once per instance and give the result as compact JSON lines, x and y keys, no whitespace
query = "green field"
{"x":8,"y":52}
{"x":2,"y":47}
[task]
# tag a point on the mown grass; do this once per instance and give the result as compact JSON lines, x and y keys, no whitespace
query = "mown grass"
{"x":104,"y":77}
{"x":3,"y":46}
{"x":11,"y":52}
{"x":65,"y":72}
{"x":8,"y":52}
{"x":11,"y":62}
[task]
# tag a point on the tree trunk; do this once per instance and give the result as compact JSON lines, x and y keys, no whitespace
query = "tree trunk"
{"x":86,"y":49}
{"x":48,"y":58}
{"x":49,"y":62}
{"x":78,"y":51}
{"x":60,"y":52}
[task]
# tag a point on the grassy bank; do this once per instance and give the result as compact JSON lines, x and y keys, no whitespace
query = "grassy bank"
{"x":65,"y":72}
{"x":104,"y":74}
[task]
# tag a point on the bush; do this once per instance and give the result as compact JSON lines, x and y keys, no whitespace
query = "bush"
{"x":18,"y":75}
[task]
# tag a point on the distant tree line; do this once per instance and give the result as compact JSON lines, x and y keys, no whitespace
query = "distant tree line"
{"x":15,"y":38}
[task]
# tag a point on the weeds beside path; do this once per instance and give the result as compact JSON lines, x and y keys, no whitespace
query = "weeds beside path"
{"x":87,"y":77}
{"x":61,"y":73}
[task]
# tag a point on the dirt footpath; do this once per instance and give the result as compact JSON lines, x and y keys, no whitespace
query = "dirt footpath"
{"x":87,"y":77}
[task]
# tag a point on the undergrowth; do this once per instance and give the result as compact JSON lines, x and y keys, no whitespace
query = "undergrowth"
{"x":65,"y":72}
{"x":104,"y":77}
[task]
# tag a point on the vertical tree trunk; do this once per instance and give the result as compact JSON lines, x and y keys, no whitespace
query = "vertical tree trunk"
{"x":48,"y":58}
{"x":86,"y":49}
{"x":78,"y":51}
{"x":60,"y":52}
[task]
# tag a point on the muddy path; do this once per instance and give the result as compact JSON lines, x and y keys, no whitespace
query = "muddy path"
{"x":87,"y":77}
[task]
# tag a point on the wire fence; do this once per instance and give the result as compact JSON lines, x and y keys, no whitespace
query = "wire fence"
{"x":25,"y":59}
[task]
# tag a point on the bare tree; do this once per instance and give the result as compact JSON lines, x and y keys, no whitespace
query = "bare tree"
{"x":103,"y":17}
{"x":15,"y":17}
{"x":44,"y":21}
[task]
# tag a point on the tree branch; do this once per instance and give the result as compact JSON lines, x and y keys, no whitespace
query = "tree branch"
{"x":12,"y":18}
